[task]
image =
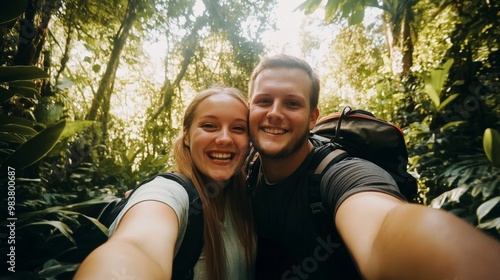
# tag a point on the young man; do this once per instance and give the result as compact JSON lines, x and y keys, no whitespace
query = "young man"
{"x":372,"y":232}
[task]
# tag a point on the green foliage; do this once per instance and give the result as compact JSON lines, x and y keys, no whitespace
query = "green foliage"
{"x":353,"y":10}
{"x":17,"y":80}
{"x":473,"y":192}
{"x":21,"y":73}
{"x":434,"y":85}
{"x":34,"y":148}
{"x":52,"y":242}
{"x":491,"y":145}
{"x":25,"y":142}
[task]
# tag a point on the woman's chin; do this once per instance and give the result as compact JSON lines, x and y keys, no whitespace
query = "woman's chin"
{"x":220,"y":176}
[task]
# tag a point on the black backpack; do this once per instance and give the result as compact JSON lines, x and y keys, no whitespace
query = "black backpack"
{"x":351,"y":133}
{"x":190,"y":249}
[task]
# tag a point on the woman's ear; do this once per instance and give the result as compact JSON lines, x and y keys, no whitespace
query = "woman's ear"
{"x":185,"y":138}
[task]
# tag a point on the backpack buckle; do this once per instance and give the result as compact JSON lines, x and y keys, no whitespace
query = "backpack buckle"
{"x":316,"y":207}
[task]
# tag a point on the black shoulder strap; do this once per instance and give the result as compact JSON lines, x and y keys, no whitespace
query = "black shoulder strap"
{"x":252,"y":169}
{"x":324,"y":156}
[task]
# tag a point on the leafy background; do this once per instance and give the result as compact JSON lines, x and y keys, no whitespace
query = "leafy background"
{"x":88,"y":110}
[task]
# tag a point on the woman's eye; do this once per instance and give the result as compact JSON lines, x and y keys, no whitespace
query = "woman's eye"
{"x":240,"y":128}
{"x":208,"y":126}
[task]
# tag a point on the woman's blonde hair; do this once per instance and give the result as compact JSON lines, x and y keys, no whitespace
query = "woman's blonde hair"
{"x":235,"y":192}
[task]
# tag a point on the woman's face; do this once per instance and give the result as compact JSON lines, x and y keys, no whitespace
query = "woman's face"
{"x":218,"y":136}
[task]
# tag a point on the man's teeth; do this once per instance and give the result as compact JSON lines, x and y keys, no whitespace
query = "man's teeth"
{"x":274,"y":130}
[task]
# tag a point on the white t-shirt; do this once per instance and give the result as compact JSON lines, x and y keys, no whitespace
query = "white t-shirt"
{"x":174,"y":195}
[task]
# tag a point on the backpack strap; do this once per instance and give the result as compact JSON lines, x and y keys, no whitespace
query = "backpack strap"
{"x":326,"y":153}
{"x":324,"y":156}
{"x":252,"y":169}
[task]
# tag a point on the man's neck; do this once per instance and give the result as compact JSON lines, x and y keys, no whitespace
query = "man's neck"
{"x":277,"y":170}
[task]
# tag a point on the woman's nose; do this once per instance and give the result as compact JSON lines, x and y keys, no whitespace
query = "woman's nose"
{"x":224,"y":137}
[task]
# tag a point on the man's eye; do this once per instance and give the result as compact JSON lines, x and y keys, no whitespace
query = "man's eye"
{"x":293,"y":104}
{"x":264,"y":101}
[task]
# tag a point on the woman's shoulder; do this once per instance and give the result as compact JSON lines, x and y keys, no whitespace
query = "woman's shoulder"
{"x":161,"y":189}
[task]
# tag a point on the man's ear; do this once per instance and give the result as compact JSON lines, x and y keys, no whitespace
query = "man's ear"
{"x":313,"y":118}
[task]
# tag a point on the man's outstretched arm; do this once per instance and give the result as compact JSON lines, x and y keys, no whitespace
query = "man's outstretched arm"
{"x":391,"y":239}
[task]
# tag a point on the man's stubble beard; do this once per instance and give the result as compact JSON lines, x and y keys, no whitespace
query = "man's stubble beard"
{"x":286,"y":151}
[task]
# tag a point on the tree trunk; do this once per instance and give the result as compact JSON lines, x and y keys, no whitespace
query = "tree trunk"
{"x":190,"y":43}
{"x":399,"y":38}
{"x":407,"y":40}
{"x":32,"y":38}
{"x":104,"y":91}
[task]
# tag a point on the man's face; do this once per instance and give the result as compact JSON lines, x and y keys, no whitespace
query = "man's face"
{"x":280,"y":115}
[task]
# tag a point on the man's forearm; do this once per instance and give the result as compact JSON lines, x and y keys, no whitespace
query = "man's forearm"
{"x":417,"y":242}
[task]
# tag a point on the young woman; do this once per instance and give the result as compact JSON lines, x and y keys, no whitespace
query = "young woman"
{"x":146,"y":236}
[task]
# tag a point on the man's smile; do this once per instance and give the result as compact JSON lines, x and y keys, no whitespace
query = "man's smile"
{"x":276,"y":131}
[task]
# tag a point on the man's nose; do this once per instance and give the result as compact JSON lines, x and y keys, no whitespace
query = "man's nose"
{"x":275,"y":111}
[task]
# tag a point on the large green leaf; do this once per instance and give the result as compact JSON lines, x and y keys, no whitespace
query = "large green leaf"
{"x":25,"y":84}
{"x":449,"y":196}
{"x":27,"y":92}
{"x":26,"y":88}
{"x":4,"y":119}
{"x":431,"y":92}
{"x":19,"y":129}
{"x":74,"y":127}
{"x":36,"y":147}
{"x":71,"y":128}
{"x":485,"y":208}
{"x":451,"y":124}
{"x":357,"y":16}
{"x":53,"y":269}
{"x":435,"y":81}
{"x":95,"y":221}
{"x":447,"y":101}
{"x":491,"y":145}
{"x":20,"y":73}
{"x":494,"y":223}
{"x":331,"y":9}
{"x":14,"y":138}
{"x":62,"y":227}
{"x":11,"y":9}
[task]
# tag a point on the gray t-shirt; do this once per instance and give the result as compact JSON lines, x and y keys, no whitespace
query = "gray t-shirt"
{"x":175,"y":196}
{"x":354,"y":175}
